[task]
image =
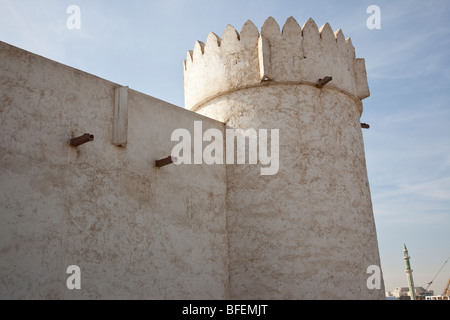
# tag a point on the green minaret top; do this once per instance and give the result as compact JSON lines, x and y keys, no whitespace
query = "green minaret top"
{"x":412,"y":292}
{"x":406,"y":257}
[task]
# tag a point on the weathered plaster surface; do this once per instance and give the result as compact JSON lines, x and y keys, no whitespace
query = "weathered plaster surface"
{"x":136,"y":231}
{"x":307,"y":232}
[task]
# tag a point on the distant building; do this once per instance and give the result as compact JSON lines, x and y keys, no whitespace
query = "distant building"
{"x":437,"y":298}
{"x":402,"y":293}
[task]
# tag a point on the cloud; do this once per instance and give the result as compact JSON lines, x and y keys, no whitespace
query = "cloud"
{"x":437,"y":189}
{"x":410,"y":56}
{"x":413,"y":41}
{"x":34,"y":27}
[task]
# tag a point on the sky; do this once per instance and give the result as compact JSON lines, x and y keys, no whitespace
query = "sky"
{"x":142,"y":44}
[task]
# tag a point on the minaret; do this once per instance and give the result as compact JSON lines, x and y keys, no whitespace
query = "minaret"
{"x":408,"y":271}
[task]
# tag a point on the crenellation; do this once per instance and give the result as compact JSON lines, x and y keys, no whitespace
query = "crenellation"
{"x":271,"y":29}
{"x":344,"y":64}
{"x":188,"y":60}
{"x":288,"y":56}
{"x":350,"y":48}
{"x":199,"y":49}
{"x":340,"y":40}
{"x":294,"y":55}
{"x":292,"y":30}
{"x":329,"y":51}
{"x":362,"y":87}
{"x":230,"y":40}
{"x":326,"y":33}
{"x":249,"y":35}
{"x":311,"y":37}
{"x":212,"y":43}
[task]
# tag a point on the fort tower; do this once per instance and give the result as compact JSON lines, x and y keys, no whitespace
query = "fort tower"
{"x":307,"y":232}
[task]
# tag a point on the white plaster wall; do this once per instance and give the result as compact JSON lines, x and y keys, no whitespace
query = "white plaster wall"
{"x":137,"y":232}
{"x":308,"y":231}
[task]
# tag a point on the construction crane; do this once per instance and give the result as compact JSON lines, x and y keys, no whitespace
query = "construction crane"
{"x":447,"y":289}
{"x":429,"y":283}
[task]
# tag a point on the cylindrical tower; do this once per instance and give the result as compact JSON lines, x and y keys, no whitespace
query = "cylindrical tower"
{"x":306,"y":232}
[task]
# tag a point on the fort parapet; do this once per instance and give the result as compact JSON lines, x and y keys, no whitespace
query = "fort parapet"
{"x":294,"y":55}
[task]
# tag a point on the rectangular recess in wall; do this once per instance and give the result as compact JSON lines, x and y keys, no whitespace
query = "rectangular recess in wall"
{"x":120,"y":135}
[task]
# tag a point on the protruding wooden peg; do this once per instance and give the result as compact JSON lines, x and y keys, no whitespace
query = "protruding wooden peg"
{"x":165,"y":161}
{"x":75,"y":142}
{"x":323,"y":82}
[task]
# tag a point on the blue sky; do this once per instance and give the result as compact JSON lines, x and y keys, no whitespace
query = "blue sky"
{"x":142,"y":44}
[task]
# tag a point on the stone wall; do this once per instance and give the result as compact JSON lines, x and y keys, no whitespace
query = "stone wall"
{"x":136,"y":231}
